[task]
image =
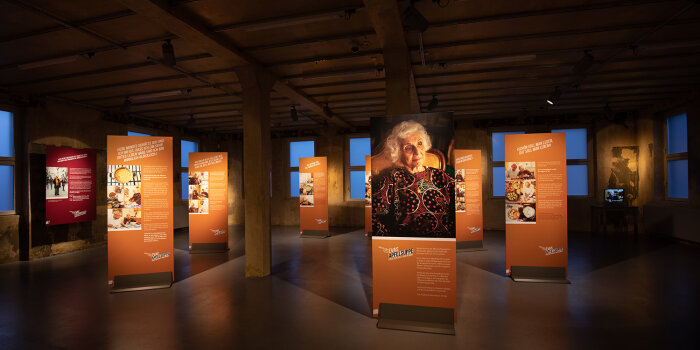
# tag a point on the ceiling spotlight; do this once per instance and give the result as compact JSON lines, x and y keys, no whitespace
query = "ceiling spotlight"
{"x":414,"y":20}
{"x":168,"y":53}
{"x":554,"y":96}
{"x":584,"y":64}
{"x":293,"y":112}
{"x":191,"y":120}
{"x":433,"y":103}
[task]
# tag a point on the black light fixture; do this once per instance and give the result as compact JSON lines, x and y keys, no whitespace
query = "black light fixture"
{"x":168,"y":53}
{"x":414,"y":20}
{"x":327,"y":111}
{"x":433,"y":103}
{"x":126,"y":105}
{"x":192,"y":120}
{"x":554,"y":96}
{"x":293,"y":113}
{"x":585,"y":63}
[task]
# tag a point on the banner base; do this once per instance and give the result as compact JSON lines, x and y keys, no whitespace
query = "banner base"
{"x":470,"y":246}
{"x":314,"y":234}
{"x":415,"y":318}
{"x":539,"y":274}
{"x":206,"y":248}
{"x":142,"y":281}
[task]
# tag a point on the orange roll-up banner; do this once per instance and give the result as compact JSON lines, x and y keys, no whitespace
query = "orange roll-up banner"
{"x":208,"y":197}
{"x":139,"y":205}
{"x":469,"y":216}
{"x":413,"y":212}
{"x":368,"y":195}
{"x":313,"y":194}
{"x":535,"y":200}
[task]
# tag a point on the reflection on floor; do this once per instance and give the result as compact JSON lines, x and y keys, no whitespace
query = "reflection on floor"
{"x":625,"y":293}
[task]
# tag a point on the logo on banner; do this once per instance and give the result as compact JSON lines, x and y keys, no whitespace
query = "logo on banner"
{"x":217,"y":231}
{"x":395,"y":253}
{"x":321,"y":221}
{"x":551,"y":250}
{"x":77,"y":213}
{"x":158,"y":255}
{"x":473,"y":229}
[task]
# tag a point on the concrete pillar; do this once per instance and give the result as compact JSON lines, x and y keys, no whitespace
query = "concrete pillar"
{"x":257,"y":163}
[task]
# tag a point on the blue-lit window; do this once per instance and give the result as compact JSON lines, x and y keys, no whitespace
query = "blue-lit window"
{"x":7,"y":162}
{"x":499,"y":181}
{"x":134,"y":133}
{"x":298,"y":149}
{"x":184,"y":182}
{"x":7,"y":140}
{"x":294,"y":184}
{"x":497,"y":164}
{"x":357,"y":184}
{"x":185,"y":148}
{"x":576,"y":143}
{"x":498,"y":153}
{"x":577,"y":180}
{"x":576,"y":160}
{"x":359,"y":147}
{"x":677,"y":156}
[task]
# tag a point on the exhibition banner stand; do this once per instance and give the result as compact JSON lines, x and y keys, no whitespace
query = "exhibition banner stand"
{"x":535,"y":207}
{"x":313,"y":197}
{"x":70,"y":185}
{"x":468,"y":206}
{"x":413,"y":223}
{"x":139,"y":212}
{"x":207,"y":201}
{"x":368,"y":195}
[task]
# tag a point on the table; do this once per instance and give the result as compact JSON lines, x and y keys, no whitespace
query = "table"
{"x":604,"y":209}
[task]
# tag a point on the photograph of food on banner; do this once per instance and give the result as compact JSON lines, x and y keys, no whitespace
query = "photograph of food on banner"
{"x":368,"y":188}
{"x":123,"y":219}
{"x":123,"y":186}
{"x":306,"y":184}
{"x":198,"y":192}
{"x":56,"y":182}
{"x":520,"y":213}
{"x":413,"y":194}
{"x":306,"y":200}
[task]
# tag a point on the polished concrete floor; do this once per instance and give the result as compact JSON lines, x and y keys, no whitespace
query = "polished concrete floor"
{"x":625,"y":293}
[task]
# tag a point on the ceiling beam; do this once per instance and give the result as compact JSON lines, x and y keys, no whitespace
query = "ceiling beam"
{"x":401,"y":95}
{"x":187,"y":26}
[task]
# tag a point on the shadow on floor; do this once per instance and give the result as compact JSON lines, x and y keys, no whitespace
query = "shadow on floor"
{"x":587,"y":251}
{"x":188,"y":265}
{"x":338,"y":272}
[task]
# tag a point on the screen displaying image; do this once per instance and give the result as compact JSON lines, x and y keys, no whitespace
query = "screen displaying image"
{"x":614,"y":195}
